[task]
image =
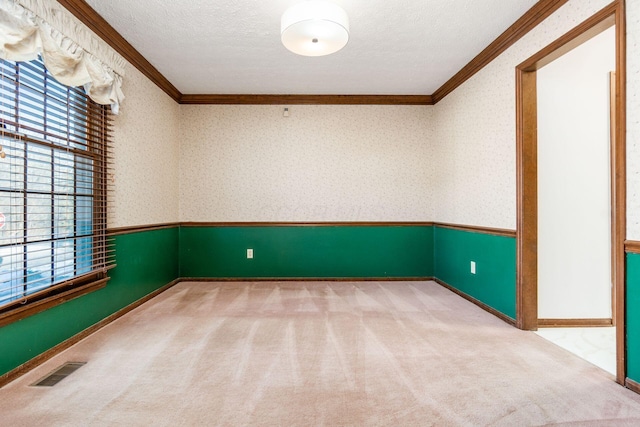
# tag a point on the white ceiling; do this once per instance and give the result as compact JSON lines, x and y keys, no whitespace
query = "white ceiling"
{"x":399,"y":47}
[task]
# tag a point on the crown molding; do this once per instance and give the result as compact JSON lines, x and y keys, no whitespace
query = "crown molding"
{"x":88,"y":16}
{"x":534,"y":16}
{"x":308,"y":99}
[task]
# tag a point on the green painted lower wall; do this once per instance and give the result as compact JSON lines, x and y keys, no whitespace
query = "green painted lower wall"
{"x":495,"y":256}
{"x":358,"y":252}
{"x":633,"y":316}
{"x":146,"y":261}
{"x":307,"y":251}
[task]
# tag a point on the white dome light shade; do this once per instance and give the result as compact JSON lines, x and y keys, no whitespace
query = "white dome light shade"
{"x":315,"y":28}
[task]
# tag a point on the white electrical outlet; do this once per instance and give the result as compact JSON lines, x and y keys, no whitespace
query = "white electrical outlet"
{"x":473,"y":267}
{"x":249,"y":253}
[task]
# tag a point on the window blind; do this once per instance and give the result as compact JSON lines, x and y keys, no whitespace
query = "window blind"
{"x":54,"y":165}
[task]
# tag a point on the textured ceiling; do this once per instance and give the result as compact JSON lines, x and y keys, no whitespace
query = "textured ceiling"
{"x":399,"y":47}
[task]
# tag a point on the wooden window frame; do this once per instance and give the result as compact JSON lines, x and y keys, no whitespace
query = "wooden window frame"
{"x":97,"y":148}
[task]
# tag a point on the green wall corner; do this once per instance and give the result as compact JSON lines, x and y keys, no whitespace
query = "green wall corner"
{"x":633,"y":317}
{"x":494,"y":283}
{"x":146,"y":261}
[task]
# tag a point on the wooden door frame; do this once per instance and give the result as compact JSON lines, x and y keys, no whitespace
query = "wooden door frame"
{"x":527,"y":174}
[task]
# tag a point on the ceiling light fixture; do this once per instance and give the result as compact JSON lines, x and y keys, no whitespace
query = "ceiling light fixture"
{"x":315,"y":28}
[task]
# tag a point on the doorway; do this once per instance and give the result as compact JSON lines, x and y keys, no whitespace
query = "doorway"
{"x":527,"y":171}
{"x":574,"y":201}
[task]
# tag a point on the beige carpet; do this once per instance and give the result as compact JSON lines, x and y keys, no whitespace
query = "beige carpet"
{"x":317,"y":354}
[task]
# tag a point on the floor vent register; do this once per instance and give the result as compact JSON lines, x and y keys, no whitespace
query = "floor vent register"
{"x":59,"y":374}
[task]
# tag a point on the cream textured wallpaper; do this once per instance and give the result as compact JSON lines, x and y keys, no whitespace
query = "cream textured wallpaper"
{"x":454,"y":162}
{"x":146,"y":155}
{"x":322,"y":163}
{"x":633,"y":119}
{"x":475,"y":131}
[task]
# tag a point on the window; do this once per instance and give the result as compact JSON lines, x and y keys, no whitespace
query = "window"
{"x":53,"y":187}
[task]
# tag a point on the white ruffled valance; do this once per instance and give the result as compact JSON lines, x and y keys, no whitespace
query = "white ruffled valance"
{"x":71,"y":52}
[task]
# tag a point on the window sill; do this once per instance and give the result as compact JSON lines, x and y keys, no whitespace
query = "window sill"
{"x":51,"y":298}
